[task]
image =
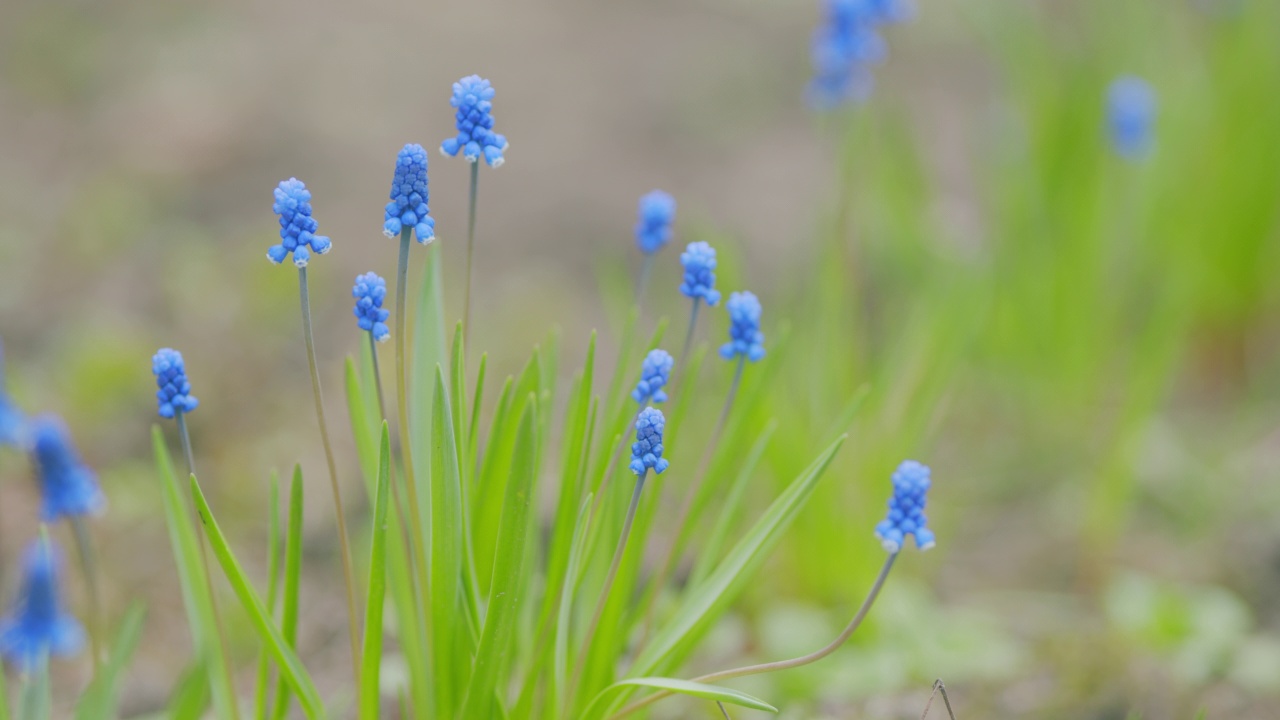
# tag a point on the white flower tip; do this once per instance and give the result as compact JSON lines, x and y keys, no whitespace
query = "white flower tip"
{"x":388,"y":233}
{"x":299,"y":263}
{"x":273,"y":260}
{"x":928,"y":546}
{"x":425,"y":242}
{"x":890,"y":546}
{"x":498,"y":162}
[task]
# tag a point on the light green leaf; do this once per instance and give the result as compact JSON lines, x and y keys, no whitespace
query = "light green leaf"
{"x":573,"y":574}
{"x":292,"y":581}
{"x":685,"y":687}
{"x":273,"y":582}
{"x":363,"y":427}
{"x":100,"y":699}
{"x":190,"y":695}
{"x":450,"y":642}
{"x":371,"y":654}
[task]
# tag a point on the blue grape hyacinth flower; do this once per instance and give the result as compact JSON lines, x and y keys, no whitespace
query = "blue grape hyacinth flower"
{"x":1131,"y":111}
{"x":657,"y":212}
{"x":655,"y":372}
{"x":297,"y":226}
{"x":13,"y":422}
{"x":699,"y":260}
{"x":473,"y":100}
{"x":174,"y":393}
{"x":906,"y":509}
{"x":369,"y":291}
{"x":68,"y":488}
{"x":38,"y":626}
{"x":745,"y":338}
{"x":409,"y":197}
{"x":846,"y":45}
{"x":646,"y":452}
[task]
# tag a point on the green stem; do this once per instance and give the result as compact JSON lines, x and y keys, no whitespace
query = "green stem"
{"x":88,"y":565}
{"x":344,"y":545}
{"x":35,"y":697}
{"x":782,"y":664}
{"x":471,"y":244}
{"x":688,"y":337}
{"x":646,"y":269}
{"x":377,"y":374}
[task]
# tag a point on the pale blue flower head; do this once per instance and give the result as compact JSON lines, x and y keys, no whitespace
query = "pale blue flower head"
{"x":473,"y":100}
{"x":13,"y":423}
{"x":1131,"y":114}
{"x":38,"y":626}
{"x":655,"y":372}
{"x":67,"y":486}
{"x":174,"y":393}
{"x":409,"y":197}
{"x":699,"y":260}
{"x":846,"y":45}
{"x":906,"y":509}
{"x":297,"y":226}
{"x":745,"y":338}
{"x":646,"y":452}
{"x":653,"y":227}
{"x":369,"y":291}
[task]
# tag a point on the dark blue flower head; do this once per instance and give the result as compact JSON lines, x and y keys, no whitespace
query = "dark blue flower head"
{"x":473,"y":99}
{"x":1131,"y":112}
{"x":13,"y":424}
{"x":699,"y":260}
{"x":906,"y":509}
{"x":370,"y":290}
{"x":37,"y":626}
{"x":646,"y":452}
{"x":174,"y":395}
{"x":845,"y":47}
{"x":745,"y":338}
{"x":654,"y":373}
{"x":67,"y":486}
{"x":409,"y":197}
{"x":653,"y":228}
{"x":297,"y":227}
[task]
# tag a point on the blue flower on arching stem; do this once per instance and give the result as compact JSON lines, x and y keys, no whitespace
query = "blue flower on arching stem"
{"x":646,"y":452}
{"x":38,"y":627}
{"x":13,"y":423}
{"x":67,"y":486}
{"x":654,"y":373}
{"x":473,"y":99}
{"x":699,"y":260}
{"x":845,"y":47}
{"x":174,"y":395}
{"x":906,"y":509}
{"x":1131,"y":112}
{"x":409,"y":197}
{"x":745,"y":338}
{"x":653,"y":228}
{"x":369,"y":291}
{"x":297,"y":227}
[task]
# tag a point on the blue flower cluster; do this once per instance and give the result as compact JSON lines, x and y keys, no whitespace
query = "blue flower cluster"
{"x":12,"y":421}
{"x":297,"y":227}
{"x":67,"y":486}
{"x":174,"y":395}
{"x":845,"y":47}
{"x":369,"y":291}
{"x":1131,"y":112}
{"x":472,"y":97}
{"x":409,"y":197}
{"x":655,"y":372}
{"x":699,"y":260}
{"x":38,"y":626}
{"x":646,"y":453}
{"x":906,"y":509}
{"x":653,"y":228}
{"x":745,"y":338}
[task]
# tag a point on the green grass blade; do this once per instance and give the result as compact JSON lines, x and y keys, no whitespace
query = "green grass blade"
{"x":100,"y":699}
{"x":292,"y":580}
{"x":565,"y":621}
{"x":290,"y":666}
{"x":429,"y":349}
{"x":195,"y":586}
{"x":273,"y":583}
{"x":363,"y":426}
{"x":685,"y":687}
{"x":472,"y":458}
{"x":504,"y":596}
{"x":371,"y":654}
{"x":36,"y":702}
{"x":190,"y":695}
{"x":450,"y":649}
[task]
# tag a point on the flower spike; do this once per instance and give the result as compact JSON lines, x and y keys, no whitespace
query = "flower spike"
{"x":473,"y":99}
{"x":699,"y":260}
{"x":655,"y":372}
{"x":653,"y":227}
{"x":906,"y":509}
{"x":174,"y":395}
{"x":297,"y":226}
{"x":369,"y":291}
{"x":409,"y":197}
{"x":67,"y":486}
{"x":745,"y":338}
{"x":1131,"y":110}
{"x":38,"y":626}
{"x":646,"y":453}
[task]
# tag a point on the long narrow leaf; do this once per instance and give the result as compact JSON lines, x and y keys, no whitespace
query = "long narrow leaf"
{"x":190,"y":695}
{"x":292,"y":581}
{"x":565,"y":621}
{"x":273,"y":583}
{"x":685,"y":687}
{"x":100,"y":699}
{"x":446,"y":590}
{"x":290,"y":666}
{"x":371,"y":654}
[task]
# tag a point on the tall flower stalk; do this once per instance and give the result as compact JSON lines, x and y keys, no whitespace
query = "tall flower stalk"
{"x":655,"y":216}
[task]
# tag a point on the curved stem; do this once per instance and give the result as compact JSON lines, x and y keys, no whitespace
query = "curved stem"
{"x":782,"y":664}
{"x":88,"y":564}
{"x":377,"y":374}
{"x":688,"y":336}
{"x":344,"y":545}
{"x":471,"y":244}
{"x":608,"y":585}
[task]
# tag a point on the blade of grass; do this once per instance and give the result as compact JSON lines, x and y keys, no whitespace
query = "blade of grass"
{"x":685,"y":687}
{"x":292,"y":581}
{"x":371,"y":653}
{"x":99,"y":701}
{"x":450,"y":644}
{"x":573,"y":573}
{"x":273,"y":582}
{"x":190,"y":695}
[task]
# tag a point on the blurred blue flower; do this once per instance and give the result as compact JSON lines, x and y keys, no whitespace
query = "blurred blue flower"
{"x":12,"y":421}
{"x":699,"y":260}
{"x":1131,"y":112}
{"x":646,"y":453}
{"x":472,"y":97}
{"x":653,"y":228}
{"x":369,"y":291}
{"x":174,"y":395}
{"x":655,"y":372}
{"x":906,"y":509}
{"x":409,"y":197}
{"x":37,"y":625}
{"x":745,"y":338}
{"x":297,"y":226}
{"x":846,"y":45}
{"x":67,"y":486}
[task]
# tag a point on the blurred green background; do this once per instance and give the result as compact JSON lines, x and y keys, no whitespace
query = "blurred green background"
{"x":1086,"y":350}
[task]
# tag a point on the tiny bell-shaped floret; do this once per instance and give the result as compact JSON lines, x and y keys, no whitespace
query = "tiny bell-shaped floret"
{"x":646,"y":452}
